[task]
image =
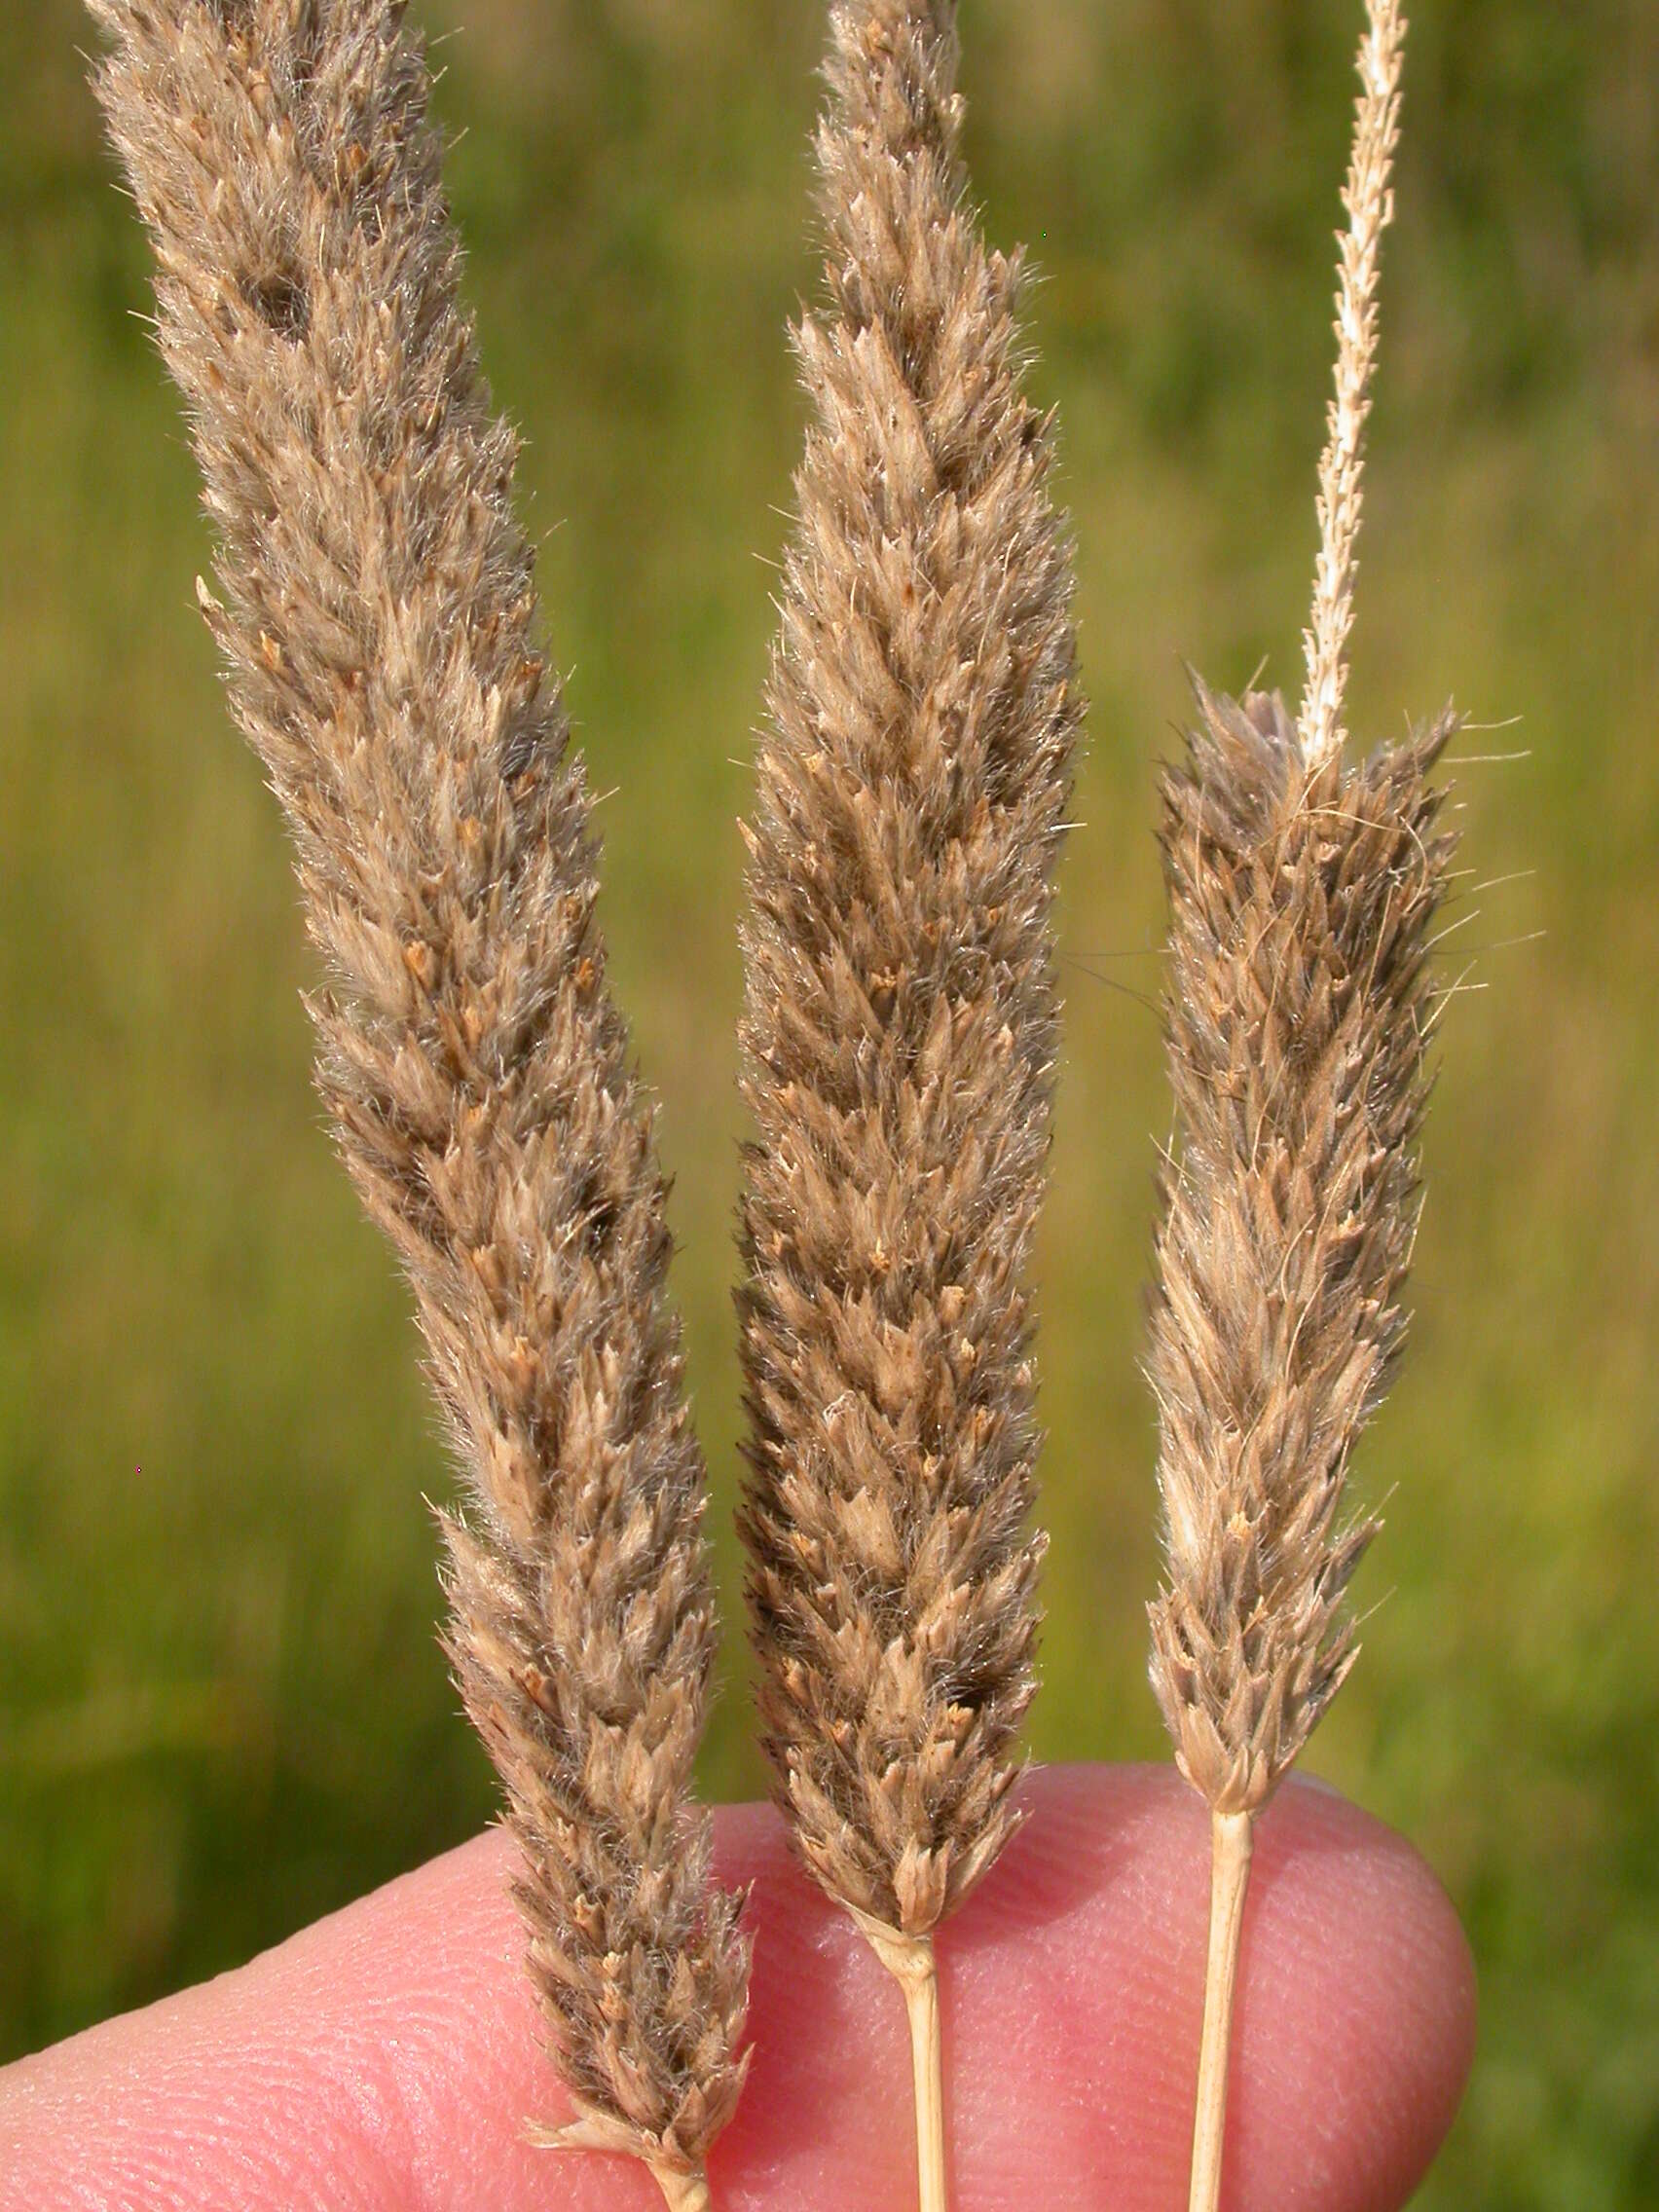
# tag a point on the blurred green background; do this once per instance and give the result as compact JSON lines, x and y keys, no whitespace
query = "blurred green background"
{"x":222,"y":1709}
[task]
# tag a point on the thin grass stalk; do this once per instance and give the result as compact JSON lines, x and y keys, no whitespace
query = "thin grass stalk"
{"x":913,"y":1963}
{"x":1302,"y":893}
{"x":375,"y":616}
{"x":1231,"y":1843}
{"x":899,"y":1032}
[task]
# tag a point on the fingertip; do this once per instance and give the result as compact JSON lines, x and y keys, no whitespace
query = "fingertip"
{"x":1357,"y":2014}
{"x":1356,"y":2020}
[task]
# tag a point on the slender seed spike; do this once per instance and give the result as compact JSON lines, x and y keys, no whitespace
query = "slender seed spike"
{"x":901,"y":1026}
{"x":1369,"y":200}
{"x":376,"y":620}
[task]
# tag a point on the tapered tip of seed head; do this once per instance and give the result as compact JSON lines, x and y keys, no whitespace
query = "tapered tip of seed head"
{"x":1369,"y":200}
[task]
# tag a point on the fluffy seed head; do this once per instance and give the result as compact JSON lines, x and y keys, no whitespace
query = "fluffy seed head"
{"x":1298,"y":1021}
{"x":901,"y":1021}
{"x":376,"y":620}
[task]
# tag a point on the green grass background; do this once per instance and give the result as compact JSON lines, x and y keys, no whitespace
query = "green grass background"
{"x":222,"y":1710}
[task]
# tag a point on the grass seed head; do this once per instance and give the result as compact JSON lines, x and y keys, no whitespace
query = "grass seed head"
{"x":1298,"y":1015}
{"x":374,"y":610}
{"x":901,"y":1021}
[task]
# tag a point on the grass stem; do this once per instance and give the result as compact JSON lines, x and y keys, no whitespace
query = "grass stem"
{"x":685,"y":2192}
{"x":1231,"y":1837}
{"x":913,"y":1965}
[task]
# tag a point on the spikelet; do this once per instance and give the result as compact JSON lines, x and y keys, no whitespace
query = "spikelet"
{"x":376,"y":625}
{"x":901,"y":1021}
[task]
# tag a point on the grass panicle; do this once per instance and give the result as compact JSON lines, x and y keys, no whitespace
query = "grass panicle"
{"x":900,"y":1030}
{"x":374,"y":610}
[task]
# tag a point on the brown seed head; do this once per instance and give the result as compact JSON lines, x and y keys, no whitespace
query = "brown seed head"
{"x":377,"y":628}
{"x":900,"y":1021}
{"x":1298,"y":1011}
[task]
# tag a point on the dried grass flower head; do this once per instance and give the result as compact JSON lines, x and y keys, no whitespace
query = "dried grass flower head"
{"x":376,"y":615}
{"x":900,"y":1028}
{"x":1300,"y":1006}
{"x":901,"y":1022}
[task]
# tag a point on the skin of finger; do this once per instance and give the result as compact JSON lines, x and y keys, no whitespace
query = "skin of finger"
{"x":385,"y":2059}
